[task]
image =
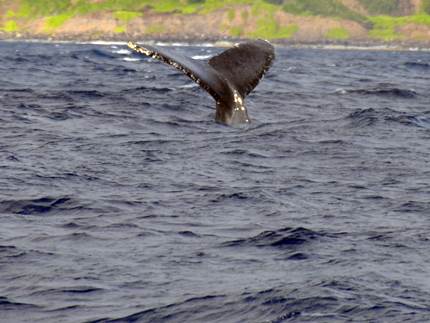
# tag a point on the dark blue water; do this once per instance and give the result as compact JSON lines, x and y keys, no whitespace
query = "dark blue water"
{"x":122,"y":200}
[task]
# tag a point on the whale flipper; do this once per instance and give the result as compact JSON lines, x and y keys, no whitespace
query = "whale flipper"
{"x":244,"y":64}
{"x":227,"y":77}
{"x":199,"y":71}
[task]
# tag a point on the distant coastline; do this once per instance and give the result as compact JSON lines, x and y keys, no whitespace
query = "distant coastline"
{"x":334,"y":23}
{"x":229,"y":42}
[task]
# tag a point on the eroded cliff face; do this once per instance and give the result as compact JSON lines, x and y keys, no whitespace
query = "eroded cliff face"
{"x":400,"y":7}
{"x":257,"y":19}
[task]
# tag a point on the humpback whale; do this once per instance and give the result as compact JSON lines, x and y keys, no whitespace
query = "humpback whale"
{"x":228,"y":77}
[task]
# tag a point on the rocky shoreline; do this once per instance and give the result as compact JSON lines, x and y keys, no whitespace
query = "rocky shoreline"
{"x":219,"y":41}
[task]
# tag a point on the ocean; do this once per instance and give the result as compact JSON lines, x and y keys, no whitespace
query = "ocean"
{"x":122,"y":200}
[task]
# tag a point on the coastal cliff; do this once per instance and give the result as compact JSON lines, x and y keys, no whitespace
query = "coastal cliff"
{"x":295,"y":21}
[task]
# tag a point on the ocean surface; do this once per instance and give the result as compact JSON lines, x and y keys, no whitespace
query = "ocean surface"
{"x":122,"y":200}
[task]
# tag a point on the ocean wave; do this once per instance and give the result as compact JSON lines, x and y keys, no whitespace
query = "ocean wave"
{"x":92,"y":53}
{"x":38,"y":206}
{"x":411,"y":120}
{"x":122,"y":199}
{"x":277,"y":305}
{"x":371,"y":116}
{"x":382,"y":90}
{"x":85,"y":93}
{"x":122,"y":51}
{"x":246,"y":153}
{"x":8,"y":305}
{"x":282,"y":238}
{"x":418,"y":65}
{"x":25,"y":90}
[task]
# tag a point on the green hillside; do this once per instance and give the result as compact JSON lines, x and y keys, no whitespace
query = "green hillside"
{"x":384,"y":20}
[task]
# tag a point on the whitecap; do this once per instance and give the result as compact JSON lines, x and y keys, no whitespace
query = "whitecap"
{"x":130,"y":59}
{"x":341,"y":91}
{"x":122,"y":51}
{"x":188,"y":86}
{"x":200,"y":57}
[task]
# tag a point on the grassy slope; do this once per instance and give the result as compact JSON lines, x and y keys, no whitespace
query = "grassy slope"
{"x":382,"y":22}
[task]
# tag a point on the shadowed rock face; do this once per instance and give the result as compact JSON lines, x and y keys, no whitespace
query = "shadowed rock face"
{"x":395,"y":8}
{"x":406,"y":8}
{"x":228,"y":77}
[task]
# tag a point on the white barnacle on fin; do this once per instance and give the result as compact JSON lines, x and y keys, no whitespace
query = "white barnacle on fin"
{"x":145,"y":51}
{"x":237,"y":98}
{"x":132,"y":45}
{"x":141,"y":50}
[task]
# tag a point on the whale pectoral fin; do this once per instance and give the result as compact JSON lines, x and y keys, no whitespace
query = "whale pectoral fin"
{"x":199,"y":71}
{"x":245,"y":64}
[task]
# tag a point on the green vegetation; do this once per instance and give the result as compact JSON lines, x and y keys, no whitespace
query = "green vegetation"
{"x":213,"y":5}
{"x":287,"y":31}
{"x":267,"y":25}
{"x":269,"y":29}
{"x":167,"y":6}
{"x":421,"y":19}
{"x":241,"y":18}
{"x":231,"y":14}
{"x":10,"y":26}
{"x":381,"y":7}
{"x":426,"y":6}
{"x":236,"y":31}
{"x":328,"y":8}
{"x":337,"y":34}
{"x":54,"y":22}
{"x":40,"y":8}
{"x":127,"y":8}
{"x":10,"y":14}
{"x":126,"y":16}
{"x":385,"y":27}
{"x":155,"y":29}
{"x":120,"y":30}
{"x":244,"y":15}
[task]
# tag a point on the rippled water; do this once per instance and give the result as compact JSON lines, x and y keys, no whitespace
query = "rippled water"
{"x":122,"y":200}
